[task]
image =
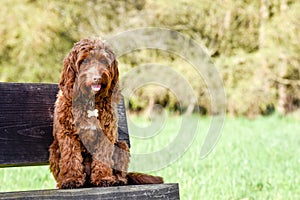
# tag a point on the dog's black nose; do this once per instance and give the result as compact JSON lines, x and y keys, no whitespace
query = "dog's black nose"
{"x":96,"y":78}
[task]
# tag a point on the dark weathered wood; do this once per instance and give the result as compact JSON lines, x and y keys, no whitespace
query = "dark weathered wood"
{"x":122,"y":123}
{"x":145,"y":192}
{"x":26,"y":118}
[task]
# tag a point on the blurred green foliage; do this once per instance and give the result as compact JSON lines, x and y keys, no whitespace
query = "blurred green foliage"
{"x":254,"y":44}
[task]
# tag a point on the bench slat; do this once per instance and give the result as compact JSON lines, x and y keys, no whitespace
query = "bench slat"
{"x":134,"y":192}
{"x":26,"y":118}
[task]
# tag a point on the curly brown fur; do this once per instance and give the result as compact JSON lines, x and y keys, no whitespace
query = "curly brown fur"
{"x":86,"y":150}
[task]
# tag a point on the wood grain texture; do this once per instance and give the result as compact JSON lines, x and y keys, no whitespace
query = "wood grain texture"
{"x":135,"y":192}
{"x":26,"y":118}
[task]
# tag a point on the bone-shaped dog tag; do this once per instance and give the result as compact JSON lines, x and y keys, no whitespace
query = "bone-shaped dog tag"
{"x":92,"y":113}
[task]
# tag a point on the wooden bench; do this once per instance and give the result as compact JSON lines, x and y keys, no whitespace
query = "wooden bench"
{"x":26,"y":114}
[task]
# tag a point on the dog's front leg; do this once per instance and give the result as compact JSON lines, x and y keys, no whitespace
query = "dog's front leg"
{"x":71,"y":173}
{"x":121,"y":160}
{"x":102,"y":173}
{"x":101,"y":149}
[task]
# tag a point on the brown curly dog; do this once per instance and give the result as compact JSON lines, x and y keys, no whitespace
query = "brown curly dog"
{"x":86,"y":151}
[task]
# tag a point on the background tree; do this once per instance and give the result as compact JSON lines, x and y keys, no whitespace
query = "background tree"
{"x":254,"y":43}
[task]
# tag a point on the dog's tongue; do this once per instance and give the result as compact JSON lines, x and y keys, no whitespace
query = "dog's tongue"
{"x":96,"y":88}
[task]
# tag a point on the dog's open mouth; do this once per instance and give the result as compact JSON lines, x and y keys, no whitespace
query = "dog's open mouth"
{"x":96,"y":87}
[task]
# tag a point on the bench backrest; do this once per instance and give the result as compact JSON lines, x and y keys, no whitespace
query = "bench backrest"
{"x":26,"y":118}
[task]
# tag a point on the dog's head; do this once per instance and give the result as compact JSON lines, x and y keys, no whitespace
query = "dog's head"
{"x":90,"y":68}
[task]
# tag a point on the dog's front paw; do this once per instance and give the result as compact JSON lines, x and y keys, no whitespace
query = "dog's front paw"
{"x":120,"y":180}
{"x":71,"y":184}
{"x":104,"y":182}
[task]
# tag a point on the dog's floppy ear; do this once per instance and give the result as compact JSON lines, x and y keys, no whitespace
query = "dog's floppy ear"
{"x":69,"y":73}
{"x":113,"y":90}
{"x":114,"y":87}
{"x":71,"y":66}
{"x":115,"y":73}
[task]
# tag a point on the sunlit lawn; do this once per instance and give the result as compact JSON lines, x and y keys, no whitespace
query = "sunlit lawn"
{"x":254,"y":159}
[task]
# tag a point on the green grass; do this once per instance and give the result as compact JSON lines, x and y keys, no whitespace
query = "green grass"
{"x":254,"y":159}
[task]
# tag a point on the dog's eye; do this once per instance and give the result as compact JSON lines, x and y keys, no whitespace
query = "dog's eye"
{"x":103,"y":61}
{"x":85,"y":61}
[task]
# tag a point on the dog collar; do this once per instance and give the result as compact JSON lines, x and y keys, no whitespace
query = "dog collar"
{"x":92,"y":113}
